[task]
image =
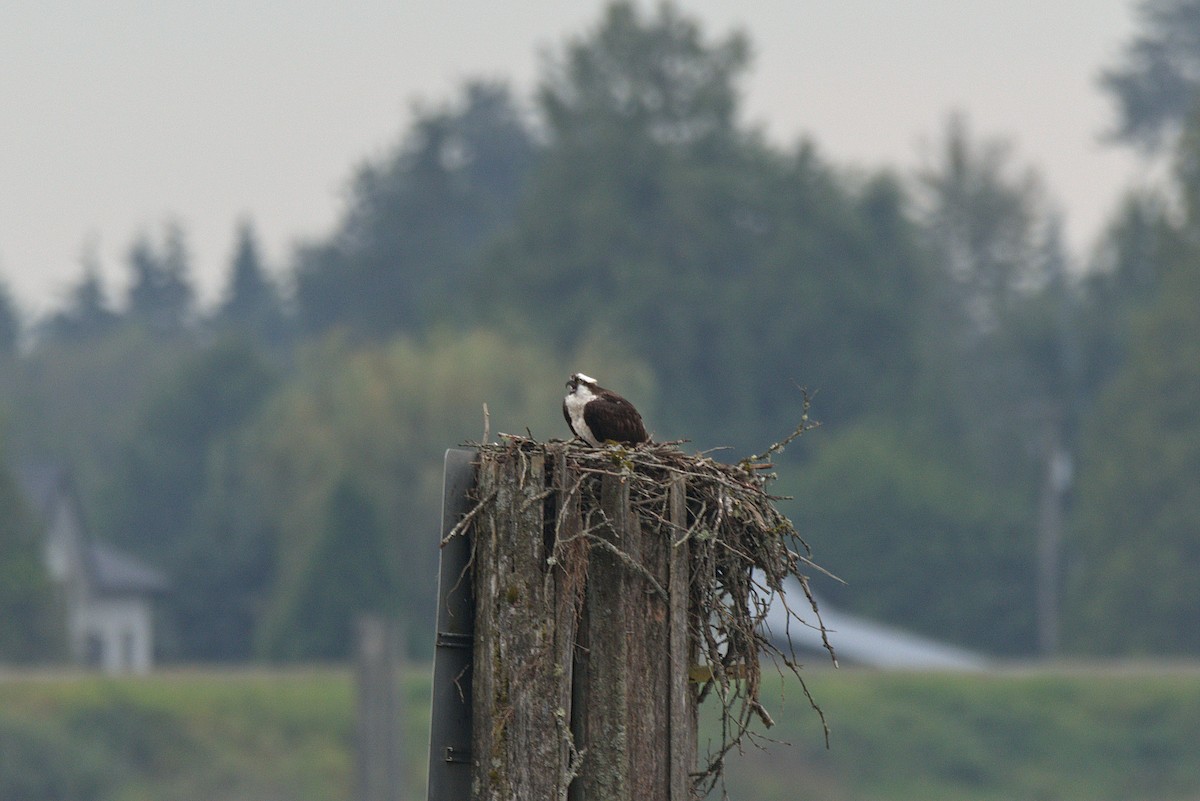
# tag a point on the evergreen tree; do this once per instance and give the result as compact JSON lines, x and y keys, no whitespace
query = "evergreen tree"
{"x":996,"y":252}
{"x":87,"y":314}
{"x":251,"y":304}
{"x":399,"y":260}
{"x":655,"y":80}
{"x":1138,"y":515}
{"x":1155,"y":87}
{"x":10,"y":322}
{"x":160,"y":293}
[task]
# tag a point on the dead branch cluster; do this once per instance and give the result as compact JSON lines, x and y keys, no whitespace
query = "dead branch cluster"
{"x":741,"y":551}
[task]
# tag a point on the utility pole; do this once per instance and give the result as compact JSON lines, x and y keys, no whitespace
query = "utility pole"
{"x":1056,"y":482}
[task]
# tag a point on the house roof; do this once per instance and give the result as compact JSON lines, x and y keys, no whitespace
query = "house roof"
{"x":116,"y":572}
{"x":867,"y":642}
{"x":109,"y":569}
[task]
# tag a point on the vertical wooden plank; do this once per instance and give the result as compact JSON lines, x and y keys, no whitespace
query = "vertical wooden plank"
{"x":682,"y":650}
{"x":649,"y":659}
{"x":486,"y":673}
{"x":605,"y":675}
{"x":570,"y":553}
{"x":516,"y":746}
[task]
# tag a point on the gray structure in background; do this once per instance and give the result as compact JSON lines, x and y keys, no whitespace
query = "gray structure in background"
{"x":107,"y":595}
{"x":859,"y":641}
{"x":380,"y":738}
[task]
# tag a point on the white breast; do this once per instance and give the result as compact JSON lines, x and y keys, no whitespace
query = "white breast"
{"x":575,"y":403}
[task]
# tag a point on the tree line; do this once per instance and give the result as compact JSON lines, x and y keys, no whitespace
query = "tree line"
{"x":278,"y":454}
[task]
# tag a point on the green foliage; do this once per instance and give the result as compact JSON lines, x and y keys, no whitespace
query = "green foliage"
{"x":1138,"y":508}
{"x":179,"y":737}
{"x":983,"y":220}
{"x":649,"y":80}
{"x":349,"y":573}
{"x":78,"y":403}
{"x":729,"y":268}
{"x":87,"y":315}
{"x":646,"y":236}
{"x":1155,"y":86}
{"x":416,"y":219}
{"x":920,"y":541}
{"x":1028,"y":734}
{"x":251,"y":306}
{"x":39,"y":761}
{"x":10,"y":322}
{"x":157,"y":491}
{"x":160,"y":292}
{"x":160,"y":476}
{"x":982,"y":737}
{"x":347,"y":463}
{"x":30,"y":625}
{"x":991,"y":342}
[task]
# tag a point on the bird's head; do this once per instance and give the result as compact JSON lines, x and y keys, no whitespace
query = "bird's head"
{"x":580,"y":380}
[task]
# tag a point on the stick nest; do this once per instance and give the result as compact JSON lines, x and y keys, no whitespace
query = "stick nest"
{"x":742,"y":551}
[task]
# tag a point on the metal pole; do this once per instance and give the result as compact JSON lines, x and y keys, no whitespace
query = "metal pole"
{"x":450,"y":726}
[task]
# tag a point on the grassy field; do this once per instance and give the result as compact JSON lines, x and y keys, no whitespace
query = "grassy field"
{"x":1085,"y":734}
{"x":258,"y":735}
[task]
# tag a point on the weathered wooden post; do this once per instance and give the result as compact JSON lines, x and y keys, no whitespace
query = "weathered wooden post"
{"x":380,"y":709}
{"x":581,"y":589}
{"x":580,"y":681}
{"x":637,"y":709}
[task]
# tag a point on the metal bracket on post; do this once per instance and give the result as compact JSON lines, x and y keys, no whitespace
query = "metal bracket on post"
{"x":450,"y":726}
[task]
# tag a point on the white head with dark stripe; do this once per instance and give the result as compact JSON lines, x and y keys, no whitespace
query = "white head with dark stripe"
{"x":598,"y":415}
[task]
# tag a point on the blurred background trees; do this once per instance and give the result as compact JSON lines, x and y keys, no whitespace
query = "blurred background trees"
{"x":31,"y":626}
{"x":1138,"y":514}
{"x":416,"y":220}
{"x":1155,"y":85}
{"x":278,"y":453}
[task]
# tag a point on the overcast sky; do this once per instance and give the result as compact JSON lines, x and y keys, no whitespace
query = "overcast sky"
{"x":117,"y":115}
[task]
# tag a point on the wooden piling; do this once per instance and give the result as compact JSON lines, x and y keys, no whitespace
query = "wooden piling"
{"x":582,"y":647}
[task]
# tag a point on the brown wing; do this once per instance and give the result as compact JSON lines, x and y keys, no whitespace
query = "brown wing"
{"x":611,"y":417}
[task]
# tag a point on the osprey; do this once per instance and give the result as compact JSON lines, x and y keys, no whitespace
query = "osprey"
{"x":598,"y":415}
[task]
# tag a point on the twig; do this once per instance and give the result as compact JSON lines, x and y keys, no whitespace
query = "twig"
{"x":804,"y":426}
{"x":461,"y":525}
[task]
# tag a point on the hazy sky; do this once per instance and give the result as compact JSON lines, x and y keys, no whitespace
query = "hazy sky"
{"x":117,"y":115}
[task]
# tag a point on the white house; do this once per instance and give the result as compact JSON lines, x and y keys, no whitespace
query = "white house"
{"x":108,"y":595}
